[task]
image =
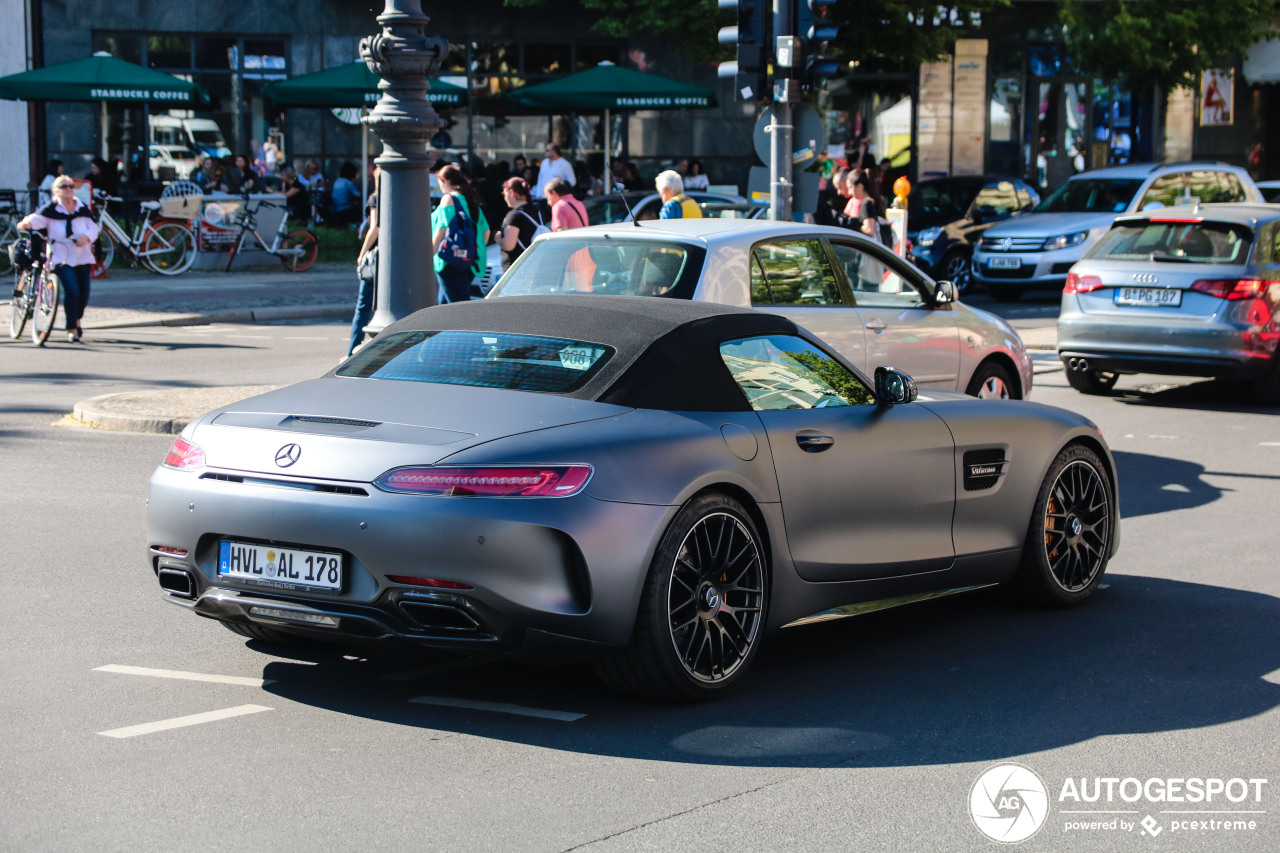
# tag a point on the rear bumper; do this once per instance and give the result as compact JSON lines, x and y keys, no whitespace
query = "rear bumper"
{"x":1219,"y":367}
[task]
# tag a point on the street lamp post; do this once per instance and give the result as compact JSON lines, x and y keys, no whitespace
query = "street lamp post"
{"x":403,"y":55}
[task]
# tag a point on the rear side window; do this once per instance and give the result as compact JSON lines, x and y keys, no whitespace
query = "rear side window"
{"x":793,"y":272}
{"x":482,"y":359}
{"x":1176,"y":241}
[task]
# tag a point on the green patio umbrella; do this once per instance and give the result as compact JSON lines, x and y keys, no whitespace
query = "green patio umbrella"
{"x":351,"y":85}
{"x":100,"y":77}
{"x":104,"y":79}
{"x":608,"y":87}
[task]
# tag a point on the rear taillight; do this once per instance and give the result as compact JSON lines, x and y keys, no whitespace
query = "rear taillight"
{"x":553,"y":481}
{"x":432,"y":582}
{"x":1077,"y":283}
{"x":1232,"y":288}
{"x":184,"y":455}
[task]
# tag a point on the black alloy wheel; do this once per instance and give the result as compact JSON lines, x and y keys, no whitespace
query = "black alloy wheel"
{"x":1069,"y":539}
{"x":703,"y":607}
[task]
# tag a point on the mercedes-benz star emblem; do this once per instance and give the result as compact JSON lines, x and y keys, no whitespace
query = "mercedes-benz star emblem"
{"x":288,"y":455}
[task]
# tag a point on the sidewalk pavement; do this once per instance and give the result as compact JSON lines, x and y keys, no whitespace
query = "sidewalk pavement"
{"x":130,"y":299}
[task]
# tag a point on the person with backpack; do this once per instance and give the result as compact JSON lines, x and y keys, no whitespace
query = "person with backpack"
{"x":459,"y":235}
{"x":526,"y":220}
{"x":70,"y":230}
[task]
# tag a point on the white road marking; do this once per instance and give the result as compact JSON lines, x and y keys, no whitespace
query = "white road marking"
{"x":254,"y":337}
{"x":1269,"y":444}
{"x":498,"y":707}
{"x":183,"y":676}
{"x":423,"y":672}
{"x":1166,"y":437}
{"x":308,"y":338}
{"x":181,"y":722}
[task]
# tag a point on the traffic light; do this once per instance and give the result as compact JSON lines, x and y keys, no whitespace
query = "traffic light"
{"x":815,"y":25}
{"x":750,"y":69}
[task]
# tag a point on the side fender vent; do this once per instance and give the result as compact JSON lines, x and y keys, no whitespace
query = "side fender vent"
{"x":983,"y":468}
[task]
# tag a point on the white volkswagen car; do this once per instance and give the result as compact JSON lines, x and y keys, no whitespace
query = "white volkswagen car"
{"x":874,"y":307}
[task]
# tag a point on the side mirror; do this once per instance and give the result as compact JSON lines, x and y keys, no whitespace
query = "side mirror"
{"x":894,"y":387}
{"x":944,"y":293}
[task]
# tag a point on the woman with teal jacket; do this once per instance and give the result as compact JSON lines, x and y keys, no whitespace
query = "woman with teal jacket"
{"x":455,"y":280}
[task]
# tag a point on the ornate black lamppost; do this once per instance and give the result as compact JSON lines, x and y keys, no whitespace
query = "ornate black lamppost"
{"x":403,"y":55}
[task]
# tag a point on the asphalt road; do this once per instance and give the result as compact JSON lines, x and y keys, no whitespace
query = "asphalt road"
{"x":127,"y":723}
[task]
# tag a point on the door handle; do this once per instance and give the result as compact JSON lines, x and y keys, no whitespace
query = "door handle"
{"x":814,"y":443}
{"x":875,"y":326}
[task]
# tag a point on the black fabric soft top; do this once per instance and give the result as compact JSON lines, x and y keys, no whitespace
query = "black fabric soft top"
{"x":667,"y":351}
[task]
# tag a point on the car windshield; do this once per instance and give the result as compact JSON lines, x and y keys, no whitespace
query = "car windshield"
{"x":604,"y":265}
{"x":1091,"y":195}
{"x":482,"y":359}
{"x":939,"y":202}
{"x":1176,"y":241}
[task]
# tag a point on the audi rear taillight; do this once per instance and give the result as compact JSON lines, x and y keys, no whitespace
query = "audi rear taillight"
{"x":1077,"y":283}
{"x":184,"y":455}
{"x":1233,"y":288}
{"x":552,"y":481}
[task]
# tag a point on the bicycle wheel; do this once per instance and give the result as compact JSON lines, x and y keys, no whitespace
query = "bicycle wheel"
{"x":170,"y":248}
{"x":299,"y":250}
{"x":47,"y":295}
{"x":20,"y":308}
{"x":10,"y":234}
{"x":104,"y":253}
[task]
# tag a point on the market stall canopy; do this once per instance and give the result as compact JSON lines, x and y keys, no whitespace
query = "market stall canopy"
{"x":351,"y":85}
{"x":100,"y":78}
{"x":610,"y":87}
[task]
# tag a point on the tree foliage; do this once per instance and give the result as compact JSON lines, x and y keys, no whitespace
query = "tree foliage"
{"x":1162,"y":43}
{"x":882,"y":33}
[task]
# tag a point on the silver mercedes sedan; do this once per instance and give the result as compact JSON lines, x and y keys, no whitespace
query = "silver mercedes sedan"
{"x":871,"y":305}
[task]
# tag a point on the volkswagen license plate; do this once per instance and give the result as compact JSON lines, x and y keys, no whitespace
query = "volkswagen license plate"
{"x":1005,"y":263}
{"x":1154,"y":296}
{"x":274,"y":566}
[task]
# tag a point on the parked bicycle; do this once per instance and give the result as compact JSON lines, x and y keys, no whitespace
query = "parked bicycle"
{"x":297,"y":250}
{"x":36,"y":294}
{"x":10,"y":215}
{"x":165,"y":246}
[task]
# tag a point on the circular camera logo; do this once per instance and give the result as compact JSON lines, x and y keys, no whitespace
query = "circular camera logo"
{"x":1009,"y":803}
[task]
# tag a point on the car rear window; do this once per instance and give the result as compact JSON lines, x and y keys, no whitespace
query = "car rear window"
{"x":604,"y":266}
{"x":1091,"y":195}
{"x":482,"y":359}
{"x":1176,"y":241}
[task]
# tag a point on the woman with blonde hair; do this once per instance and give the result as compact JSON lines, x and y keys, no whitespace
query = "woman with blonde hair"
{"x":70,"y":231}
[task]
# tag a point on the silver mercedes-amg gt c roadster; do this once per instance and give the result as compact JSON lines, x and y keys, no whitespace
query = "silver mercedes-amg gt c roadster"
{"x":654,"y":484}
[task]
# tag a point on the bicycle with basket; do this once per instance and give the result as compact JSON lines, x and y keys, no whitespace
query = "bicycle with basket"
{"x":37,"y":293}
{"x":166,"y":245}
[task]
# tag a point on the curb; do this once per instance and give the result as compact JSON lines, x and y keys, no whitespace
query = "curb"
{"x":112,"y":411}
{"x":89,"y":416}
{"x":292,"y":312}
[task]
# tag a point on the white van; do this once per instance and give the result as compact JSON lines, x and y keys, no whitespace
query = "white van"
{"x":199,"y":134}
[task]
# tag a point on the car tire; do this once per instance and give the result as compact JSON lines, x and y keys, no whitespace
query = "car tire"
{"x":1088,"y":381}
{"x":1004,"y":292}
{"x":1069,"y":537}
{"x":991,"y":381}
{"x":702,"y":610}
{"x":955,"y":269}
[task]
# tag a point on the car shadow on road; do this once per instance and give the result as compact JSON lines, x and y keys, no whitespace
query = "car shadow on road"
{"x":1208,"y":395}
{"x":1150,"y":485}
{"x":969,"y":678}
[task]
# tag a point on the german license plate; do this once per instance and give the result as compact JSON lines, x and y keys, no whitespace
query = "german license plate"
{"x":1004,"y":263}
{"x":1154,"y":296}
{"x":274,"y":566}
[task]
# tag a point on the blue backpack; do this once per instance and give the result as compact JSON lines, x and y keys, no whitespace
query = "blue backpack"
{"x":459,"y":248}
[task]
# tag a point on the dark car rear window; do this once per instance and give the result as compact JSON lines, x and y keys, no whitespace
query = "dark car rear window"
{"x":605,"y":266}
{"x":1091,"y":195}
{"x":483,"y":359}
{"x":1176,"y":241}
